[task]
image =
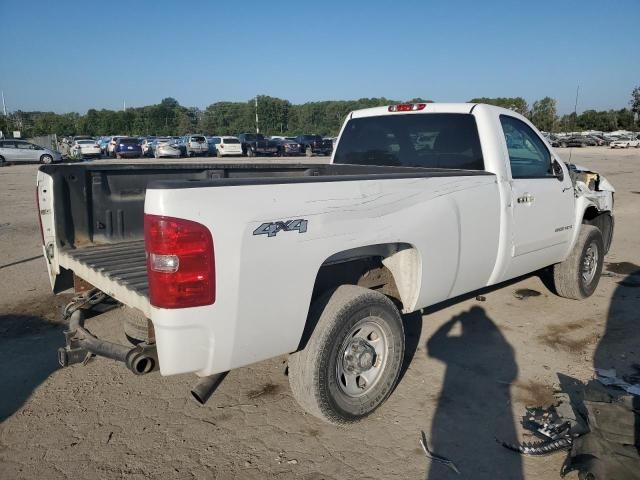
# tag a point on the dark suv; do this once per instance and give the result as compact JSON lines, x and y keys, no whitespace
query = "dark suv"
{"x":256,"y":144}
{"x":310,"y":144}
{"x":127,"y":147}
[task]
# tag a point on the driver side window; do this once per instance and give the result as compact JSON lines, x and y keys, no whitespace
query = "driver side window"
{"x":528,"y":155}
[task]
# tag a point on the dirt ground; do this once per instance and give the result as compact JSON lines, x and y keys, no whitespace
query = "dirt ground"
{"x":474,"y":365}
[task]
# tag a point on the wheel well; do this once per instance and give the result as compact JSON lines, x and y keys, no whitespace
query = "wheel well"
{"x":391,"y":269}
{"x":603,"y":221}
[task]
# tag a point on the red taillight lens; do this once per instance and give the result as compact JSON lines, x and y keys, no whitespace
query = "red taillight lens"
{"x":407,"y":107}
{"x":222,"y":145}
{"x":180,"y":262}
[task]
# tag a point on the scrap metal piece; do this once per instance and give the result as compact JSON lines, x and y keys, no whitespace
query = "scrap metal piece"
{"x":437,"y":458}
{"x":537,"y":449}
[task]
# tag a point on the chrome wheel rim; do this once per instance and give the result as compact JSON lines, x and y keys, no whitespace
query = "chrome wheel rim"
{"x":362,"y":358}
{"x":590,"y":263}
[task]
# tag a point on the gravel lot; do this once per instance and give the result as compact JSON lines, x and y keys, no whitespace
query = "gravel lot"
{"x":463,"y":387}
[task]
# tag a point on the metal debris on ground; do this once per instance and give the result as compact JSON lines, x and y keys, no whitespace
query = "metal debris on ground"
{"x":597,"y":422}
{"x":558,"y":430}
{"x":436,"y":458}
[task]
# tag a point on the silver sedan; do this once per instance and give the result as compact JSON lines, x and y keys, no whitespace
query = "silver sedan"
{"x":14,"y":151}
{"x":166,"y":148}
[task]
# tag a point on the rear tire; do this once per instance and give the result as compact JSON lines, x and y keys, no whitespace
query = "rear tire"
{"x":308,"y":152}
{"x":2,"y":162}
{"x":250,"y":152}
{"x":578,"y":276}
{"x":352,"y":360}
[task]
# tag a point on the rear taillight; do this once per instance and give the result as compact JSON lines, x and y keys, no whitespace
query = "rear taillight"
{"x":180,"y":262}
{"x":407,"y":107}
{"x":222,"y":145}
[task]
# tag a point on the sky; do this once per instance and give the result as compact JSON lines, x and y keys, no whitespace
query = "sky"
{"x":74,"y":55}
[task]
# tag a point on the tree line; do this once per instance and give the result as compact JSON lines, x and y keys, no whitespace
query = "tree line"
{"x":277,"y":116}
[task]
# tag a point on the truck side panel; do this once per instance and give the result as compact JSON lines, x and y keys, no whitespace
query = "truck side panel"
{"x":452,"y":221}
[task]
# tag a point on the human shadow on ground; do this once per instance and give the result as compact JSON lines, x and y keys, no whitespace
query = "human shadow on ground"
{"x":474,"y":407}
{"x":28,"y":346}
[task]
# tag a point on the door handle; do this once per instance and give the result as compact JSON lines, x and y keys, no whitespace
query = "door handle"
{"x":526,"y":198}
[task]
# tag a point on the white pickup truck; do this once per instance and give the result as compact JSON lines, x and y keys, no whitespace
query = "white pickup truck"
{"x":235,"y":263}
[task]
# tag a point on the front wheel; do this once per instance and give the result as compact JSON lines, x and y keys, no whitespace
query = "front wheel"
{"x":352,"y":360}
{"x":46,"y":159}
{"x":218,"y":154}
{"x":578,"y":276}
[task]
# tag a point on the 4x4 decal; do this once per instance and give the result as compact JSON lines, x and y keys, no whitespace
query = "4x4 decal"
{"x":271,"y":229}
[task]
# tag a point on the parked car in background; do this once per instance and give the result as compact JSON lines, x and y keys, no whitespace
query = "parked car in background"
{"x":111,"y":148}
{"x":104,"y":144}
{"x":166,"y":147}
{"x":310,"y":144}
{"x":81,"y":137}
{"x":254,"y":144}
{"x":582,"y":141}
{"x":600,"y":141}
{"x":21,"y":151}
{"x":86,"y":149}
{"x":128,"y":147}
{"x":226,"y":146}
{"x":287,"y":146}
{"x":625,"y":143}
{"x":196,"y":145}
{"x":147,"y":146}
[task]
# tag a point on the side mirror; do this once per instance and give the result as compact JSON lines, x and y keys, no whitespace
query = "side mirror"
{"x":556,"y":168}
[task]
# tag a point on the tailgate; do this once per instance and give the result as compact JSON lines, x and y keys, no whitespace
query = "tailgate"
{"x":119,"y":270}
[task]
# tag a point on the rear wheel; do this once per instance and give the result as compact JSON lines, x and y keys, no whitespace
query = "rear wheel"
{"x":351,"y":362}
{"x":218,"y":154}
{"x":308,"y":152}
{"x":578,"y":276}
{"x":2,"y":162}
{"x":250,"y":152}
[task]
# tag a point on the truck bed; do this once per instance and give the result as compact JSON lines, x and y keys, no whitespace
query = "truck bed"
{"x":99,"y":210}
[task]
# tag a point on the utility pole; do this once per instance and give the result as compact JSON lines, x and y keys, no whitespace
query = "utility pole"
{"x":124,"y":105}
{"x":257,"y":124}
{"x":4,"y":107}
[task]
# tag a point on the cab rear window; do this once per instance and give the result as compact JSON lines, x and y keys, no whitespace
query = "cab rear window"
{"x":430,"y":140}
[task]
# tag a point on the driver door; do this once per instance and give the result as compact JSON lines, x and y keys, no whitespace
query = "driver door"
{"x":542,"y":204}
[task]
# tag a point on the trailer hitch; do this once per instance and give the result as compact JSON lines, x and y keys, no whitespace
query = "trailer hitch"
{"x":81,"y":344}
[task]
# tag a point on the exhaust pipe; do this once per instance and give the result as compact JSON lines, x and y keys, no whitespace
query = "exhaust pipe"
{"x":140,"y":359}
{"x":206,"y":386}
